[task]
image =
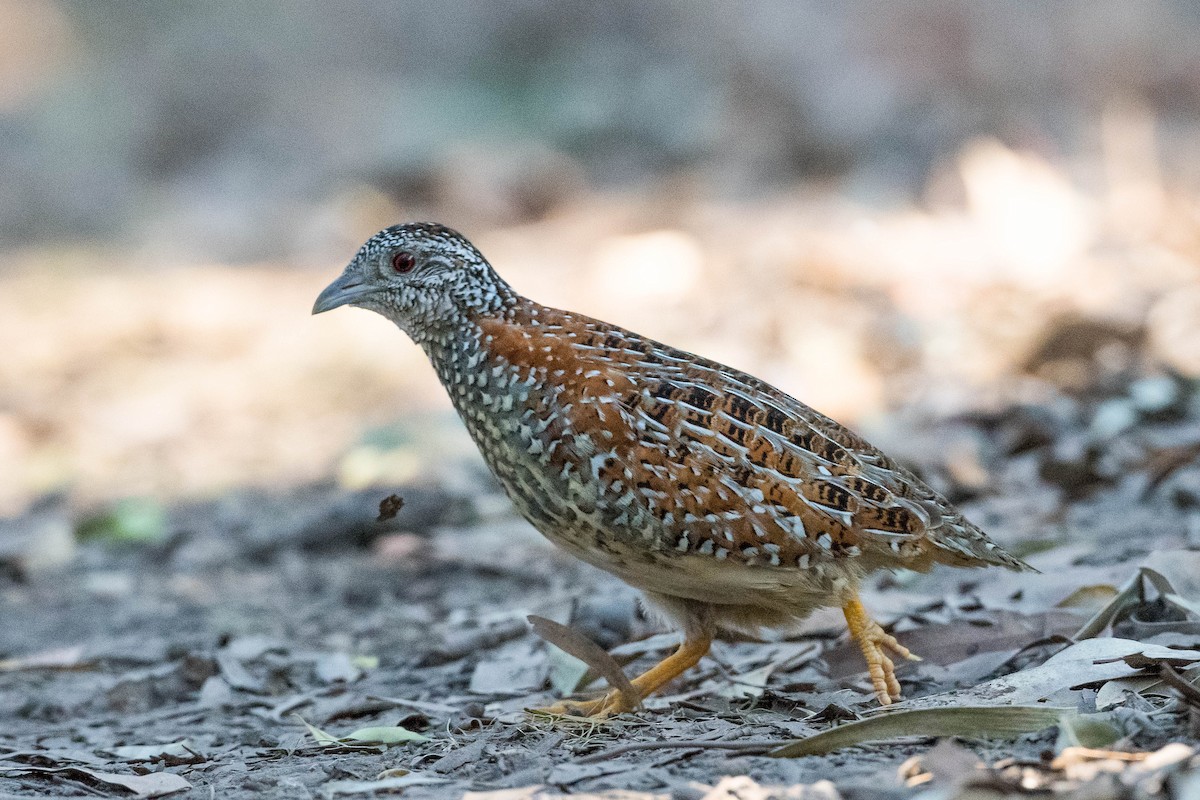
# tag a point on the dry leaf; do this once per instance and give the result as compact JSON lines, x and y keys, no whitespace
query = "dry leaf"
{"x":587,"y":651}
{"x":155,"y":784}
{"x":980,"y":721}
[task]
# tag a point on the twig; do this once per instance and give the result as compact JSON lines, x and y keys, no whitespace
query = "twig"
{"x":417,"y":705}
{"x":1190,"y":694}
{"x":746,"y":747}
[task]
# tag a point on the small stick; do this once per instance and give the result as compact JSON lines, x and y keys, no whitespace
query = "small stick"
{"x":748,"y":747}
{"x":1191,"y":695}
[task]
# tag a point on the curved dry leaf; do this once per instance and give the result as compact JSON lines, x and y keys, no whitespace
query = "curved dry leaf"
{"x":982,"y":721}
{"x":576,"y":644}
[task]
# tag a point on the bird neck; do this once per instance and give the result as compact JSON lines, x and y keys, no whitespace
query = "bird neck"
{"x":457,"y":344}
{"x":442,"y":316}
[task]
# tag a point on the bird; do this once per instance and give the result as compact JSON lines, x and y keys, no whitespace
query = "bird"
{"x":730,"y":505}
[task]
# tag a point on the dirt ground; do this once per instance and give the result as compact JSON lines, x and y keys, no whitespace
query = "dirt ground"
{"x":188,"y":659}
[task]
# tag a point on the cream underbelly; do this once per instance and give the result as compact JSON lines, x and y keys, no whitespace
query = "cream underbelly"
{"x":775,"y":594}
{"x":703,"y":579}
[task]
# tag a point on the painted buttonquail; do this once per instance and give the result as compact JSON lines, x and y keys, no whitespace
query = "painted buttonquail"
{"x":727,"y":502}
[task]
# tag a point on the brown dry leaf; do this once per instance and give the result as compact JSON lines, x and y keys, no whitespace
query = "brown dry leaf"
{"x":574,"y":643}
{"x":389,"y":507}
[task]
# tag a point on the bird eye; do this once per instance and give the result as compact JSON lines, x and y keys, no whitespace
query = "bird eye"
{"x":403,"y":262}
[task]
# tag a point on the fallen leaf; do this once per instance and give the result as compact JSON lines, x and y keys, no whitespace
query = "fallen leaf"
{"x":1161,"y":463}
{"x":237,"y":675}
{"x":129,"y":521}
{"x":566,"y":671}
{"x":1114,"y":692}
{"x":508,"y":676}
{"x":651,"y":644}
{"x":388,"y":734}
{"x":583,"y":648}
{"x":153,"y":752}
{"x":981,"y":721}
{"x":336,"y":668}
{"x":956,"y":641}
{"x":749,"y":684}
{"x":947,"y":762}
{"x":155,"y":784}
{"x":391,"y":734}
{"x":386,"y":785}
{"x":1091,"y":661}
{"x":319,"y":736}
{"x":1171,"y":574}
{"x":58,"y":658}
{"x":1086,"y":730}
{"x":1093,"y":596}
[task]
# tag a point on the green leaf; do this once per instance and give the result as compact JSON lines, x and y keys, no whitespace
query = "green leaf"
{"x":393,"y":734}
{"x":365,"y":662}
{"x":129,"y":521}
{"x":319,"y":735}
{"x":981,"y":721}
{"x":1086,"y":730}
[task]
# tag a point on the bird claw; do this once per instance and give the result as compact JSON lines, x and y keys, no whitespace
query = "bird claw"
{"x":610,"y":705}
{"x":875,"y":643}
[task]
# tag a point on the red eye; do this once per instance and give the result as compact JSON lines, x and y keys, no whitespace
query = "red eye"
{"x":404,"y":261}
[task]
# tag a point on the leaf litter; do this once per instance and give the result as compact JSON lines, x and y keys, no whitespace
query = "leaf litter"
{"x":1039,"y":683}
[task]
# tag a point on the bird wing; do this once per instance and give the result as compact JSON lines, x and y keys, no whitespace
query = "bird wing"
{"x":740,"y":469}
{"x":719,"y":463}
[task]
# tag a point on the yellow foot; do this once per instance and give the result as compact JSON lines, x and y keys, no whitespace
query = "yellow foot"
{"x":687,"y":656}
{"x":874,"y":641}
{"x":609,"y":705}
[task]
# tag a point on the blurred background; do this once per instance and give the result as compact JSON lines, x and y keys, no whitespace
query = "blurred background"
{"x":891,"y":210}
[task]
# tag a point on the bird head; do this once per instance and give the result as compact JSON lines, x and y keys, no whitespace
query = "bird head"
{"x":422,"y":276}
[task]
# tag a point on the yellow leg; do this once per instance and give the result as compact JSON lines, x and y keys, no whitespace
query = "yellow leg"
{"x":687,"y":656}
{"x":873,"y":641}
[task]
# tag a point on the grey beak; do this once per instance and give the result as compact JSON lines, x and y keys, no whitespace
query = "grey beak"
{"x":346,"y":289}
